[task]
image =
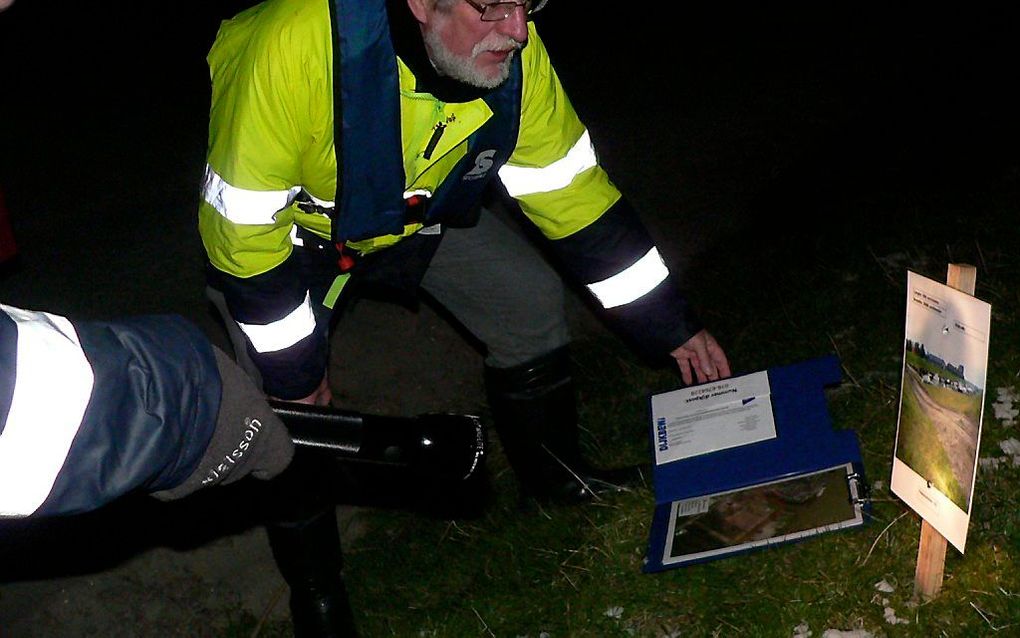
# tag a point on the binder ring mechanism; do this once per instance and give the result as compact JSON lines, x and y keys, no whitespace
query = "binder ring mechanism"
{"x":863,"y":490}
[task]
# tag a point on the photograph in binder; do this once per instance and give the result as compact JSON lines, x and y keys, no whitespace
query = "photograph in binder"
{"x":719,"y":524}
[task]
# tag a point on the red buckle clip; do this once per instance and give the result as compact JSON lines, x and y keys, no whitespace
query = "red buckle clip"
{"x":346,"y":261}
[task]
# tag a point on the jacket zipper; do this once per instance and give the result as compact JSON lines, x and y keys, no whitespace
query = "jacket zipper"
{"x":437,"y":134}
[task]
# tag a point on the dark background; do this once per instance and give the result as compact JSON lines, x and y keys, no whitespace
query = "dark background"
{"x":713,"y":119}
{"x":727,"y":126}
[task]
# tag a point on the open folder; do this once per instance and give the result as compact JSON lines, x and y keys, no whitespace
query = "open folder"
{"x":749,"y":462}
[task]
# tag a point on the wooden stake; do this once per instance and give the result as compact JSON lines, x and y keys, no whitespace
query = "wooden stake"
{"x":931,"y":562}
{"x":931,"y":551}
{"x":963,"y":277}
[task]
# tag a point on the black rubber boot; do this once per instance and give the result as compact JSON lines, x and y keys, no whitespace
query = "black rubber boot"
{"x":303,"y":535}
{"x":534,"y":411}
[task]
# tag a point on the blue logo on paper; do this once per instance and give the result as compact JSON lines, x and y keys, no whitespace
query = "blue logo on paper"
{"x":660,"y":434}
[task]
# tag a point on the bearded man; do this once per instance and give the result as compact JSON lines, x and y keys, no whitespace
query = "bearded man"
{"x":351,"y":144}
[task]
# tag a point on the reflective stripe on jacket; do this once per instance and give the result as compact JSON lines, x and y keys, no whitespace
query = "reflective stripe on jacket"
{"x":92,"y":410}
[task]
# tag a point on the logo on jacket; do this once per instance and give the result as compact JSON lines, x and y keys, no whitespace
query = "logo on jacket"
{"x":252,"y":427}
{"x":483,"y":163}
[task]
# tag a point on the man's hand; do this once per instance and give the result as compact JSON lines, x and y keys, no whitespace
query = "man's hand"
{"x":702,"y":355}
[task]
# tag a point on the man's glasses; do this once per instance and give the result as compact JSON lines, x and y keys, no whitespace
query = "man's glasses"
{"x":496,"y":10}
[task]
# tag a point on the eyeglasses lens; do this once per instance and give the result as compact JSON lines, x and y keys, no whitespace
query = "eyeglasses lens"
{"x":496,"y":11}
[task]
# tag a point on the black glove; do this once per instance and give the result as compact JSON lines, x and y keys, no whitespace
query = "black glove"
{"x":249,"y":437}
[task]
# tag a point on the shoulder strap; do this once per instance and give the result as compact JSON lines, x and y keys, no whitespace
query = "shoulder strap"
{"x":366,"y":122}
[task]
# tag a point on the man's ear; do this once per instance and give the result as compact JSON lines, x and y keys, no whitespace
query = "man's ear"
{"x":420,"y":9}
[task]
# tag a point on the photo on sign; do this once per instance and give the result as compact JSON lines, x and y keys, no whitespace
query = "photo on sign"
{"x":772,"y":513}
{"x":945,"y":358}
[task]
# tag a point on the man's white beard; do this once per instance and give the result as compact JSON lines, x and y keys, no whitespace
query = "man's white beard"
{"x":463,"y":68}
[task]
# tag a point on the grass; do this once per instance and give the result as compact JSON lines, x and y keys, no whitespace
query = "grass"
{"x":772,"y":300}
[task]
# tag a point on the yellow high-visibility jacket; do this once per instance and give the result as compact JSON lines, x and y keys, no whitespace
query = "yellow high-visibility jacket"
{"x":271,"y":140}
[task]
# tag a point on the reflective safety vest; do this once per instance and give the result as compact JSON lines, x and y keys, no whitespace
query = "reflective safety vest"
{"x":275,"y":69}
{"x":271,"y":137}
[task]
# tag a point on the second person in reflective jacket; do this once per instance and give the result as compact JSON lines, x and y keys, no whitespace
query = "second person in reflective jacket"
{"x":353,"y":144}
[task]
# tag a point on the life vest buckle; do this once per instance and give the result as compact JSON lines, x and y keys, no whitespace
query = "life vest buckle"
{"x":416,"y":205}
{"x":346,"y":260}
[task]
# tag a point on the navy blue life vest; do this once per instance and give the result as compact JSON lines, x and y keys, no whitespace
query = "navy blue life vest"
{"x":366,"y":105}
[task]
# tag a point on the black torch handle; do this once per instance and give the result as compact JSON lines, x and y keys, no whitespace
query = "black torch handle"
{"x":440,"y":443}
{"x":323,"y":428}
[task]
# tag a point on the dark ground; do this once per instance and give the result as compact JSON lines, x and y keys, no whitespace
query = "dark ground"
{"x":720,"y":125}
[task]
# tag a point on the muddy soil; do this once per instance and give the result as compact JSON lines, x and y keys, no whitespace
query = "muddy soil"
{"x":714,"y":122}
